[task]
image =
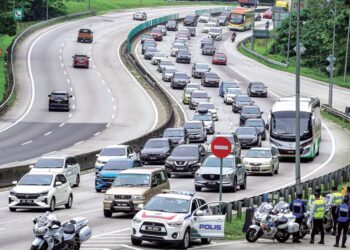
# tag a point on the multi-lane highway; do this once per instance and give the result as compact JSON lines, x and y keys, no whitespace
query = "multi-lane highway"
{"x":107,"y":96}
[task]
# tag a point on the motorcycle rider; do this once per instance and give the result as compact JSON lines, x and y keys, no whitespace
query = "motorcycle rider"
{"x":233,"y":37}
{"x":298,"y":207}
{"x":316,"y":216}
{"x":343,"y":212}
{"x":335,"y":200}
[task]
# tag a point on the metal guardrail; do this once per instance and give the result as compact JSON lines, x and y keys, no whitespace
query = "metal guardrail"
{"x":345,"y":117}
{"x":11,"y":80}
{"x":261,"y":57}
{"x":215,"y":10}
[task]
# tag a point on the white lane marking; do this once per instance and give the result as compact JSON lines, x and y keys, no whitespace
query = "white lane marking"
{"x":109,"y":124}
{"x":96,"y":134}
{"x":62,"y":44}
{"x":73,"y":98}
{"x":94,"y":66}
{"x":80,"y":142}
{"x":73,"y":107}
{"x":60,"y":51}
{"x":71,"y":89}
{"x":117,"y":231}
{"x":25,"y":143}
{"x":88,"y":211}
{"x":98,"y":73}
{"x":62,"y":65}
{"x":90,"y":47}
{"x":70,"y":115}
{"x":142,"y":89}
{"x":113,"y":116}
{"x":103,"y":82}
{"x":114,"y":107}
{"x":109,"y":91}
{"x":61,"y":58}
{"x":48,"y":133}
{"x":68,"y":81}
{"x":62,"y":124}
{"x":65,"y":72}
{"x":112,"y":99}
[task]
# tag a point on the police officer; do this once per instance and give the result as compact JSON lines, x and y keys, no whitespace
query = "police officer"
{"x":343,"y":219}
{"x":334,"y":201}
{"x":298,"y":207}
{"x":312,"y":197}
{"x":316,"y":216}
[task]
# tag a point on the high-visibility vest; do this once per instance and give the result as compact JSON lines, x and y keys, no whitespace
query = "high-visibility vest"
{"x":319,"y":209}
{"x":337,"y":199}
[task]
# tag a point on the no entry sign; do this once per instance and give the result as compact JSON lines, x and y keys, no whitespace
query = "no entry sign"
{"x":221,"y":147}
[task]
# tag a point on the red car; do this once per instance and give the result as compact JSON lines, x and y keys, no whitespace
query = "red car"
{"x":157,"y":34}
{"x":80,"y":61}
{"x":219,"y":58}
{"x":268,"y":14}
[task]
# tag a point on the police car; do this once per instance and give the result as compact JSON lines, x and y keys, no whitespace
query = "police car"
{"x":177,"y":218}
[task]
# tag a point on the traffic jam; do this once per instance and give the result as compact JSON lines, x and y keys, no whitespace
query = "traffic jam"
{"x":226,"y":138}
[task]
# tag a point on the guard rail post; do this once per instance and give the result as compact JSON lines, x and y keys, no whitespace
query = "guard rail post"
{"x":239,"y":209}
{"x":229,"y":212}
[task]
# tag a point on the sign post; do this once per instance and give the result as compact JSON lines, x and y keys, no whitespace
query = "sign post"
{"x":221,"y":148}
{"x":18,"y":14}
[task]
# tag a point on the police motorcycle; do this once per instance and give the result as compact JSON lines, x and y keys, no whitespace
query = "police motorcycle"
{"x":50,"y":234}
{"x":328,"y":219}
{"x":271,"y":224}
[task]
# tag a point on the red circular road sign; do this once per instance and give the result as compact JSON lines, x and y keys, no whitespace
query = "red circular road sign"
{"x":221,"y":147}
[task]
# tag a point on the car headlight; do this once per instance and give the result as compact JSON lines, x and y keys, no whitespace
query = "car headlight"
{"x":227,"y":176}
{"x":181,"y":141}
{"x":13,"y":193}
{"x":136,"y":220}
{"x":44,"y":193}
{"x":169,"y":162}
{"x":177,"y":224}
{"x":266,"y":163}
{"x":138,"y":197}
{"x":192,"y":162}
{"x":99,"y":162}
{"x":109,"y":196}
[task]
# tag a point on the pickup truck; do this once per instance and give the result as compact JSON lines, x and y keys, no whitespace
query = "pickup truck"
{"x":249,"y":3}
{"x":85,"y":35}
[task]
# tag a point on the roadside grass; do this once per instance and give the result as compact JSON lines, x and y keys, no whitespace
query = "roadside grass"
{"x":336,"y":120}
{"x":5,"y":42}
{"x":313,"y":73}
{"x":106,"y":5}
{"x":233,"y":230}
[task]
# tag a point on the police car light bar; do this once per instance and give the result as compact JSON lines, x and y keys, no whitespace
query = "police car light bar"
{"x":168,"y":191}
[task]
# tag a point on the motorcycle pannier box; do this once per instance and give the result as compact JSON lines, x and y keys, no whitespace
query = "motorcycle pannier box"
{"x":293,"y":227}
{"x":85,"y":233}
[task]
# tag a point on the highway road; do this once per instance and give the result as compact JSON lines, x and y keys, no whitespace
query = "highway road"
{"x":110,"y":30}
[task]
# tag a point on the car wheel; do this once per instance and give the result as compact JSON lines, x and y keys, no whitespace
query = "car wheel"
{"x":98,"y":190}
{"x":168,"y":175}
{"x":198,"y":188}
{"x":272,"y":171}
{"x":12,"y":209}
{"x":136,"y":242}
{"x":186,"y":240}
{"x":77,"y":181}
{"x":52,"y":204}
{"x":107,"y":213}
{"x":244,"y":185}
{"x":235,"y":110}
{"x":206,"y":240}
{"x":70,"y":202}
{"x":234,"y":185}
{"x":277,"y":169}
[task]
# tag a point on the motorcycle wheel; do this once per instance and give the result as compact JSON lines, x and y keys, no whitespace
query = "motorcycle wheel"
{"x":251,"y":235}
{"x":282,"y":237}
{"x":43,"y":247}
{"x":303,"y":231}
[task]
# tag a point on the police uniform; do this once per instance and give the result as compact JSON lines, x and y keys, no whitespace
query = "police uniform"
{"x":317,"y":215}
{"x":337,"y":199}
{"x":343,"y":222}
{"x":298,"y":207}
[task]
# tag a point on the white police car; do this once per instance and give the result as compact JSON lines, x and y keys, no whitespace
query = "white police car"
{"x":176,"y":218}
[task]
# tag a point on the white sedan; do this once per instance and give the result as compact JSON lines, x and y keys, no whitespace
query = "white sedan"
{"x":204,"y":17}
{"x":45,"y":190}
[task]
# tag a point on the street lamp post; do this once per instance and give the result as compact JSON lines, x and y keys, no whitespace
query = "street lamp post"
{"x":347,"y":52}
{"x":332,"y":57}
{"x":253,"y":28}
{"x":47,"y":10}
{"x":289,"y":30}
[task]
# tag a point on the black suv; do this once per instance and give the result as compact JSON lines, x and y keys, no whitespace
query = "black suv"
{"x":210,"y":79}
{"x":258,"y":123}
{"x":240,"y":101}
{"x":176,"y":135}
{"x":149,"y":52}
{"x":156,"y":150}
{"x":199,"y":68}
{"x":59,"y":100}
{"x":248,"y":112}
{"x":179,"y":80}
{"x":195,"y":131}
{"x":257,"y":89}
{"x":183,"y":56}
{"x":191,"y":20}
{"x":208,"y":49}
{"x":171,"y":25}
{"x":248,"y":137}
{"x":185,"y":160}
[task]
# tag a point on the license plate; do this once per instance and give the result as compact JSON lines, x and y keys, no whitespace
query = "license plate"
{"x":158,"y":229}
{"x":212,"y":183}
{"x":153,"y":158}
{"x":180,"y":168}
{"x":122,"y":204}
{"x":255,"y":169}
{"x":27,"y":201}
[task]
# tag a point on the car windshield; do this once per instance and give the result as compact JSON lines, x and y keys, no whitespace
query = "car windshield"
{"x":147,"y":36}
{"x":193,"y":125}
{"x":227,"y":85}
{"x":85,"y":31}
{"x":199,"y":95}
{"x":36,"y":180}
{"x":283,"y":124}
{"x":192,"y":85}
{"x":243,"y":99}
{"x":170,"y":70}
{"x":258,"y":153}
{"x":168,"y":205}
{"x":59,"y":94}
{"x":211,"y":75}
{"x":185,"y":151}
{"x":49,"y":163}
{"x":118,"y":165}
{"x":157,"y":144}
{"x":230,"y":138}
{"x":171,"y":22}
{"x":245,"y":131}
{"x":202,"y":66}
{"x":113,"y":152}
{"x":206,"y":105}
{"x":131,"y":180}
{"x":181,"y":76}
{"x":166,"y":63}
{"x":215,"y":30}
{"x":189,"y":90}
{"x":174,"y":133}
{"x":156,"y":31}
{"x":258,"y":85}
{"x":209,"y":46}
{"x":221,"y":17}
{"x":179,"y":46}
{"x":221,"y":56}
{"x":151,"y":49}
{"x":236,"y":18}
{"x":250,"y":110}
{"x":236,"y":91}
{"x":254,"y":123}
{"x":189,"y":18}
{"x":149,"y":44}
{"x":162,"y":27}
{"x":213,"y":162}
{"x":202,"y":117}
{"x":184,"y":52}
{"x":206,"y":15}
{"x":159,"y":54}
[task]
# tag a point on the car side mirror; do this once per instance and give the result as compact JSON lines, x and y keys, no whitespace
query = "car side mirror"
{"x":49,"y":95}
{"x":14,"y":182}
{"x":267,"y":126}
{"x":199,"y":213}
{"x":141,"y":147}
{"x":58,"y":183}
{"x":130,"y":155}
{"x":154,"y":184}
{"x":97,"y":155}
{"x":31,"y":166}
{"x":70,"y":96}
{"x":261,"y":112}
{"x":239,"y":165}
{"x":140,"y":206}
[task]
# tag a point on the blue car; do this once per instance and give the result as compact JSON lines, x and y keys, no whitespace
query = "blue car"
{"x":226,"y":85}
{"x":106,"y":176}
